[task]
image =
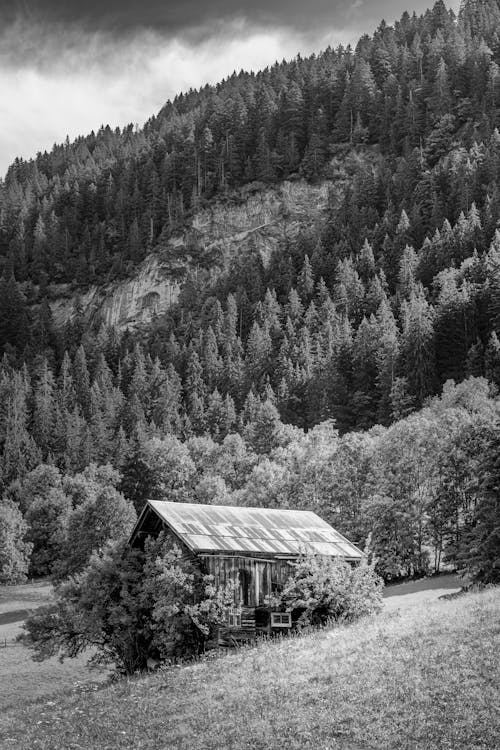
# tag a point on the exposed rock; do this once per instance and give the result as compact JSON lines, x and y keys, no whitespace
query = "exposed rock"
{"x":266,"y":218}
{"x":128,"y":303}
{"x":263,"y":221}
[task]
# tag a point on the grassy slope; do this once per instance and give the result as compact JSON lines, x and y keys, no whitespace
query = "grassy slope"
{"x":21,"y":679}
{"x":417,"y":678}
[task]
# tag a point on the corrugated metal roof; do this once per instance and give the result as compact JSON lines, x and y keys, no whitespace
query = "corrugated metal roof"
{"x":218,"y":528}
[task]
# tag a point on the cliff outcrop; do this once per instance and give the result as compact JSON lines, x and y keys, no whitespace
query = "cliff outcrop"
{"x":261,"y":220}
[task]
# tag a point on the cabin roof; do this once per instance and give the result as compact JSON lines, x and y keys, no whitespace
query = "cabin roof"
{"x":219,"y":528}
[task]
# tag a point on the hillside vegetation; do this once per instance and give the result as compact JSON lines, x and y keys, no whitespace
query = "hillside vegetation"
{"x":416,"y":678}
{"x":355,"y":371}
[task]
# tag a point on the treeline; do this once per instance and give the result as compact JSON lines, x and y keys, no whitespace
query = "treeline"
{"x":426,"y":91}
{"x":425,"y":490}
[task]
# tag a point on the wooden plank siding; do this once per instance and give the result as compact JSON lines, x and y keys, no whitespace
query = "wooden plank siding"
{"x":264,"y":577}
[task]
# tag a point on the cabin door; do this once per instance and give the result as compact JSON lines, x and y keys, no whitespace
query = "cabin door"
{"x":245,"y":581}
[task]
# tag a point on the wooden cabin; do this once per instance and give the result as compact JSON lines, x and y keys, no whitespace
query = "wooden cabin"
{"x":253,"y":547}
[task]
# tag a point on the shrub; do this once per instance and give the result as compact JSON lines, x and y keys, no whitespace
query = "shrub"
{"x":187,"y":607}
{"x":128,"y":606}
{"x":323,"y":589}
{"x":101,"y":608}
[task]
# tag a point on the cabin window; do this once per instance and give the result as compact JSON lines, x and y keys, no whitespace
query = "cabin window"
{"x":281,"y":620}
{"x":245,"y":582}
{"x":234,"y":618}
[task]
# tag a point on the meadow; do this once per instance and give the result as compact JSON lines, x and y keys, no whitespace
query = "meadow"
{"x":21,"y":679}
{"x":421,"y":675}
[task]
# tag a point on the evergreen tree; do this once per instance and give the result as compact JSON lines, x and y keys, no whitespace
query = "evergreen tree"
{"x":44,"y":411}
{"x":305,"y":281}
{"x":81,"y":380}
{"x":264,"y":430}
{"x":418,"y":348}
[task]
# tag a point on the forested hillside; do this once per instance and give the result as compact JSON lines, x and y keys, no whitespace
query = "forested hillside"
{"x":249,"y":389}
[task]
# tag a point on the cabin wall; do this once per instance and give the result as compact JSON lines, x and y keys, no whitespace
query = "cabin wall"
{"x":254,"y":579}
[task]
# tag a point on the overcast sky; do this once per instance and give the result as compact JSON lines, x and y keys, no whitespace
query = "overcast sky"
{"x":68,"y":66}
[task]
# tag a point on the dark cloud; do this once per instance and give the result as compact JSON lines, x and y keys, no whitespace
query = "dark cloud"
{"x":191,"y":16}
{"x":55,"y":34}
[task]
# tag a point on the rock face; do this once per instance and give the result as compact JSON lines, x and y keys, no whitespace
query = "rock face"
{"x":128,"y":303}
{"x":262,"y":221}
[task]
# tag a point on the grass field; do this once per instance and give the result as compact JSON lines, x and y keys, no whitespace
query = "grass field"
{"x":420,"y":593}
{"x":413,"y":678}
{"x":25,"y":596}
{"x":21,"y":679}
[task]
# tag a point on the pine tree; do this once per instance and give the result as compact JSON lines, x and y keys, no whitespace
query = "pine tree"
{"x":14,"y":316}
{"x":216,"y":416}
{"x":311,"y":166}
{"x":418,"y":348}
{"x":364,"y":358}
{"x":212,"y":363}
{"x":264,"y":162}
{"x":44,"y":411}
{"x":47,"y":517}
{"x":305,"y":281}
{"x":20,"y":453}
{"x":407,"y":267}
{"x":81,"y":380}
{"x":194,"y":385}
{"x":387,"y":355}
{"x":366,"y":263}
{"x":139,"y":385}
{"x":264,"y":430}
{"x":455,"y":327}
{"x":258,"y":351}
